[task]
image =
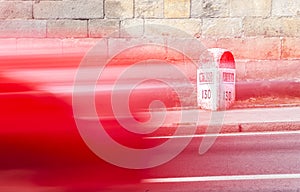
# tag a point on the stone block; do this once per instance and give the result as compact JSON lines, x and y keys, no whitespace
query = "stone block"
{"x":104,"y":28}
{"x":68,"y":9}
{"x":177,"y":9}
{"x":222,"y":27}
{"x":16,"y":9}
{"x":67,"y":28}
{"x":209,"y":8}
{"x":119,"y":9}
{"x":257,"y":8}
{"x":149,"y":9}
{"x":22,"y":28}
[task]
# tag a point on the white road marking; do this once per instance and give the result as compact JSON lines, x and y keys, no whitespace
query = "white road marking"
{"x":226,"y":135}
{"x":221,"y":178}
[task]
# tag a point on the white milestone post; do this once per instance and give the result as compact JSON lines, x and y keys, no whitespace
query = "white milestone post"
{"x":216,"y":78}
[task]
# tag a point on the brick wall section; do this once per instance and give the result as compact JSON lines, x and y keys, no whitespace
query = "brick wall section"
{"x":264,"y":35}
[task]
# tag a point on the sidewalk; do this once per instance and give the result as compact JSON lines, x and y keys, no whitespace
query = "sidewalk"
{"x":236,"y":120}
{"x":260,"y":106}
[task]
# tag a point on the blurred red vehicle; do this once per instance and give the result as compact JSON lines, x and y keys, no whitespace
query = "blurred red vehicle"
{"x":41,"y":148}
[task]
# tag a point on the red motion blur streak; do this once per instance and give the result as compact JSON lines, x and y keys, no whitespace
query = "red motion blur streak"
{"x":39,"y":142}
{"x":38,"y":135}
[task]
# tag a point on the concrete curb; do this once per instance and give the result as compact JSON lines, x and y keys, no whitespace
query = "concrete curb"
{"x":245,"y":127}
{"x":256,"y":127}
{"x":239,"y":120}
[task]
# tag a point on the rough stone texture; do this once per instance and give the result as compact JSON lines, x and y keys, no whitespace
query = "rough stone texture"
{"x":78,"y":45}
{"x":117,"y":44}
{"x":240,"y":70}
{"x":240,"y":8}
{"x":209,"y":8}
{"x":271,"y":70}
{"x":208,"y":42}
{"x":68,"y":9}
{"x":286,"y":8}
{"x":29,"y":46}
{"x":272,"y":27}
{"x":67,"y":28}
{"x":288,"y":69}
{"x":119,"y":9}
{"x":191,"y":49}
{"x":222,"y":27}
{"x":264,"y":35}
{"x":149,"y":9}
{"x":132,"y":28}
{"x":252,"y":48}
{"x":16,"y":9}
{"x":174,"y":27}
{"x":177,"y":9}
{"x":22,"y":28}
{"x":264,"y":70}
{"x":104,"y":28}
{"x":291,"y":48}
{"x":250,"y":70}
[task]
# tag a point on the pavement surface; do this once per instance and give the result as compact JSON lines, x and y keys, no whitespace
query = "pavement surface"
{"x":235,"y":162}
{"x":236,"y":120}
{"x":257,"y":149}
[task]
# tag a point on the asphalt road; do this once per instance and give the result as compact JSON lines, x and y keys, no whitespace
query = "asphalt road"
{"x":236,"y":162}
{"x":258,"y":161}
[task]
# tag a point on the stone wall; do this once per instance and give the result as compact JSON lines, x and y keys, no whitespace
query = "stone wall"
{"x":264,"y":35}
